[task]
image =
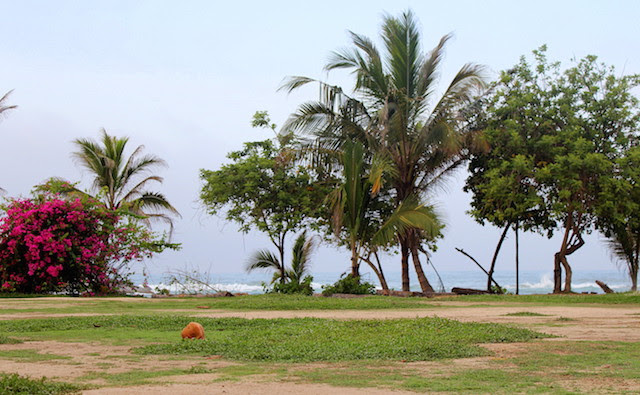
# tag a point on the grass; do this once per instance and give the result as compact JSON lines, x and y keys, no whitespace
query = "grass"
{"x":29,"y":355}
{"x":309,"y":339}
{"x":188,"y":305}
{"x":139,"y":376}
{"x":526,"y":314}
{"x":16,"y":384}
{"x":295,"y":340}
{"x":9,"y":340}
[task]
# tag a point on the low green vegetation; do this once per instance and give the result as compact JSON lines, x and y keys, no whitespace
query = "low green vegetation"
{"x":139,"y":376}
{"x":20,"y":385}
{"x":9,"y":340}
{"x":308,"y":339}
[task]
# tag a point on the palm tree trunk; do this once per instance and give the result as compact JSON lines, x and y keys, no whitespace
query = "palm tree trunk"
{"x":355,"y":272}
{"x":422,"y":278}
{"x":377,"y":271}
{"x":404,"y":249}
{"x":495,"y":256}
{"x":633,"y":270}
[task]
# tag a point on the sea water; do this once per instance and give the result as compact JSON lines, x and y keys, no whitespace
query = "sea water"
{"x":530,"y":282}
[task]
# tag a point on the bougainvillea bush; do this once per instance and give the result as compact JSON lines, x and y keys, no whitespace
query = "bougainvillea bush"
{"x":50,"y":244}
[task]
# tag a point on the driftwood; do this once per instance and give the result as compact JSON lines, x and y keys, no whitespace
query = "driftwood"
{"x":469,"y":291}
{"x":460,"y":250}
{"x":604,"y":287}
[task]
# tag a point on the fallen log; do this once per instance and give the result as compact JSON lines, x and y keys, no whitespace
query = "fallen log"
{"x":604,"y":287}
{"x":469,"y":291}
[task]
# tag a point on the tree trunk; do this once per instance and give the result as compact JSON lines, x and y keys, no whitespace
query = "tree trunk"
{"x":567,"y":274}
{"x":422,"y":279}
{"x":355,"y":272}
{"x":404,"y":249}
{"x":283,"y":275}
{"x":557,"y":274}
{"x":633,"y":270}
{"x":517,"y":262}
{"x":378,"y":272}
{"x":495,"y":256}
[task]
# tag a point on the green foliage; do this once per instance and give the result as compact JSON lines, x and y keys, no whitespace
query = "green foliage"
{"x":16,"y":384}
{"x":556,"y":138}
{"x":349,"y":285}
{"x":8,"y":340}
{"x":294,"y":287}
{"x":525,"y":314}
{"x":396,"y":116}
{"x":301,"y":340}
{"x":293,"y":280}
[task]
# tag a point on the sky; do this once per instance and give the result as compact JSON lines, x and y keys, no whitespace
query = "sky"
{"x":184,"y":78}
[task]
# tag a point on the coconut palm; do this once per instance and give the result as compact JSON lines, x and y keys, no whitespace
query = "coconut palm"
{"x":300,"y":261}
{"x":119,"y":181}
{"x":367,"y":221}
{"x":624,"y":244}
{"x":397,"y":115}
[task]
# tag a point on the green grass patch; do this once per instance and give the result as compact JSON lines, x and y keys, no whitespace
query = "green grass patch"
{"x":310,"y":339}
{"x":9,"y":340}
{"x":16,"y":384}
{"x":29,"y":355}
{"x":526,"y":314}
{"x":565,"y":319}
{"x":583,"y":359}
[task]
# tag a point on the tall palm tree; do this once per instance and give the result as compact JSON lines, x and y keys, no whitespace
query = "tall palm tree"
{"x":119,"y":181}
{"x":358,"y":212}
{"x":397,"y":115}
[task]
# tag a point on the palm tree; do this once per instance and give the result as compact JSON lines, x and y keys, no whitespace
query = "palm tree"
{"x":624,"y":244}
{"x":364,"y":218}
{"x":300,"y":261}
{"x":120,"y":182}
{"x":397,"y":115}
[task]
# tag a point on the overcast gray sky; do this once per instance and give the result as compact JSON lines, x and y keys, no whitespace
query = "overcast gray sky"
{"x":184,"y":78}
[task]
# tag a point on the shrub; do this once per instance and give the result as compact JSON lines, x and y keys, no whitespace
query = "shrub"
{"x":293,"y":287}
{"x":48,"y":244}
{"x":349,"y":285}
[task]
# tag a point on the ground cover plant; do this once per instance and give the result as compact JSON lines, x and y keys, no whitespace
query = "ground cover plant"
{"x":16,"y":384}
{"x":299,"y":340}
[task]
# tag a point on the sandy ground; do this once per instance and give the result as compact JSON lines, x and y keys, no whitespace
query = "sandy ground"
{"x":574,"y":323}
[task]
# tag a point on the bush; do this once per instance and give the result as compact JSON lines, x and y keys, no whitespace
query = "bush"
{"x":349,"y":285}
{"x":293,"y":287}
{"x":48,"y":244}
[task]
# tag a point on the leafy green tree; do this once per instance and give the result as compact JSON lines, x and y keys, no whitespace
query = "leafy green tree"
{"x":264,"y":189}
{"x":119,"y":181}
{"x":397,"y":115}
{"x":555,"y":138}
{"x":296,"y":279}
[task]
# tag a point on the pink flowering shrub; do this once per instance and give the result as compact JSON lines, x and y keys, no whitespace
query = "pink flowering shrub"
{"x":48,"y":244}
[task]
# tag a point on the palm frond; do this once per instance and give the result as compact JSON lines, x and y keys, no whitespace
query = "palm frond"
{"x":302,"y":251}
{"x":410,"y":214}
{"x":5,"y":107}
{"x":263,"y":259}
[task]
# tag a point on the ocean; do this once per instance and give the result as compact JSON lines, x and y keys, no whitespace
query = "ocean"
{"x":531,"y":282}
